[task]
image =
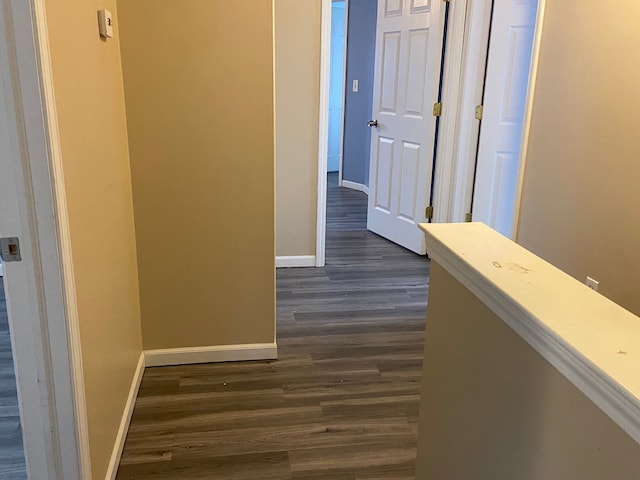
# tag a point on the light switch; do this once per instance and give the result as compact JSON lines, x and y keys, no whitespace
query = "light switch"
{"x":105,"y":23}
{"x":355,"y":86}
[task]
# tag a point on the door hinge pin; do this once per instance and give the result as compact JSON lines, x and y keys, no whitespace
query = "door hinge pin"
{"x":437,"y":109}
{"x":479,"y":112}
{"x":428,"y":213}
{"x":468,"y":217}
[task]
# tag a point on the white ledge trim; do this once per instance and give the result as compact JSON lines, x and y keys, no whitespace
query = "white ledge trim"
{"x":592,"y":341}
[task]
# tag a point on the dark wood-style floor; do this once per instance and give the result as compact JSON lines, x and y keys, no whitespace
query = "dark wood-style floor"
{"x":341,"y":402}
{"x":12,"y":464}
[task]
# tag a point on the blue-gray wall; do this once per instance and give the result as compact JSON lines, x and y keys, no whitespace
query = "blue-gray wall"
{"x":336,"y":85}
{"x":361,"y":41}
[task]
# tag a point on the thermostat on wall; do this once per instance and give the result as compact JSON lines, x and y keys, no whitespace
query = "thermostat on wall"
{"x":105,"y":23}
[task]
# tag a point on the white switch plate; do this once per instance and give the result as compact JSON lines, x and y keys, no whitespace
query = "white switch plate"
{"x":356,"y":85}
{"x":592,"y":284}
{"x":105,"y":23}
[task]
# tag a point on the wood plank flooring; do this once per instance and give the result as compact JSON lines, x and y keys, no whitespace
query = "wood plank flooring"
{"x":341,"y":402}
{"x":12,"y":464}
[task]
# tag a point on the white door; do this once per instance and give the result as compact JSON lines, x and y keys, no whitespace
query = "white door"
{"x":504,"y":102}
{"x":336,"y":86}
{"x":36,"y":303}
{"x":407,"y":78}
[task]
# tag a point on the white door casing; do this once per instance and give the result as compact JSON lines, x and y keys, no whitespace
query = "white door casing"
{"x":40,"y":294}
{"x":507,"y":81}
{"x":407,"y":78}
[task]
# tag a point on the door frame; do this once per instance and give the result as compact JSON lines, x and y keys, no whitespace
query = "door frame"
{"x":457,"y":194}
{"x":462,"y":92}
{"x":457,"y":19}
{"x":455,"y":164}
{"x":40,"y":289}
{"x":323,"y":130}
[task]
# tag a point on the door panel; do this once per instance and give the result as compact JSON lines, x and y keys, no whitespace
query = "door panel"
{"x":390,"y":62}
{"x":407,"y":75}
{"x":419,"y":6}
{"x":384,"y":167}
{"x":418,"y":50}
{"x":392,"y":8}
{"x":516,"y":74}
{"x":409,"y":180}
{"x":504,"y":175}
{"x":504,"y":103}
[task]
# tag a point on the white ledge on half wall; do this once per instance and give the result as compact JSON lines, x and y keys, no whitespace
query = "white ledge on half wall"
{"x":592,"y":341}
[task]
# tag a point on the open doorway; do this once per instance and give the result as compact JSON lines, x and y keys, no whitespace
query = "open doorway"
{"x":409,"y":186}
{"x":352,"y":62}
{"x":336,"y":87}
{"x":392,"y":71}
{"x":358,"y":93}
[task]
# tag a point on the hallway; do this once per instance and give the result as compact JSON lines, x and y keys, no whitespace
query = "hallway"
{"x":341,"y":402}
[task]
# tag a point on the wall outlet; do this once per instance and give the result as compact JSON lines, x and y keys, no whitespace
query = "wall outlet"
{"x":355,"y":86}
{"x":592,"y":284}
{"x":105,"y":23}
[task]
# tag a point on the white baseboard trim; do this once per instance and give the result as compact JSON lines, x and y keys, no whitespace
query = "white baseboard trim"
{"x":355,"y":186}
{"x":118,"y":446}
{"x":296,"y":261}
{"x":222,"y":353}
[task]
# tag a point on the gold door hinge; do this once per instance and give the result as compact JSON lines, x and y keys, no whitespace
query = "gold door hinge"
{"x":479,"y":112}
{"x":468,"y":217}
{"x":428,"y":213}
{"x":437,"y":109}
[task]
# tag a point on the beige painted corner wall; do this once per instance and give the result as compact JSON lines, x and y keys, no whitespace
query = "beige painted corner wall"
{"x":90,"y":106}
{"x":492,"y":401}
{"x":198,"y":79}
{"x":580,"y":196}
{"x":297,"y":59}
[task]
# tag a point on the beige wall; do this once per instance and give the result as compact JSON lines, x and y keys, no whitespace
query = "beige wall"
{"x":297,"y":57}
{"x":198,"y":79}
{"x":90,"y":105}
{"x":493,"y":409}
{"x":580,"y":198}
